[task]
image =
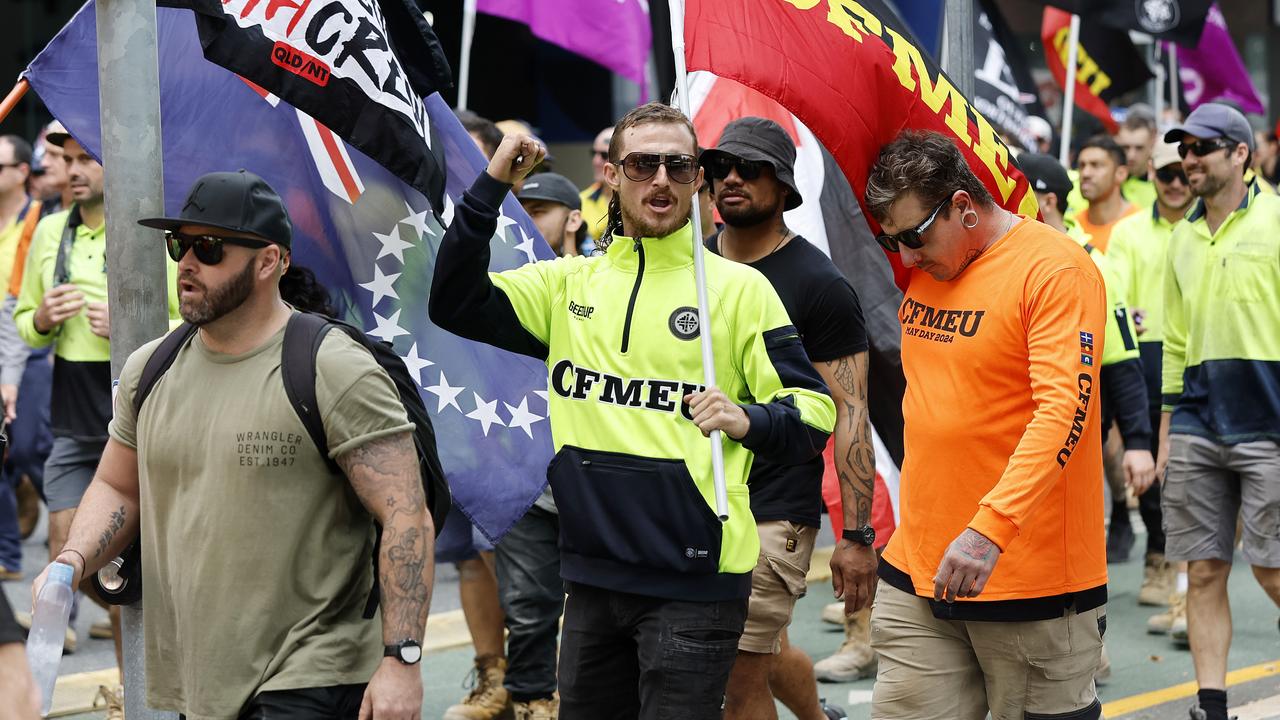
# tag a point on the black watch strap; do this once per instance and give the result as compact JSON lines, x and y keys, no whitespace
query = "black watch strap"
{"x":408,"y":652}
{"x":865,"y":535}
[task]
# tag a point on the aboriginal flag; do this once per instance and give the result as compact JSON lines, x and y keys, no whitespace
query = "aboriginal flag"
{"x":1107,"y":63}
{"x":359,"y":67}
{"x":855,"y":77}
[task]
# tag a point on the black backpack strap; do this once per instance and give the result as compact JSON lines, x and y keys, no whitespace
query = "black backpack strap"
{"x":160,"y":362}
{"x":61,"y":274}
{"x":302,"y":337}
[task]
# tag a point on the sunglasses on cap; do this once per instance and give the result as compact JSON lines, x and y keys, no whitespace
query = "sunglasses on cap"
{"x":911,"y":236}
{"x":1204,"y":147}
{"x":208,"y":248}
{"x":640,"y":166}
{"x":1168,"y":174}
{"x":719,"y":167}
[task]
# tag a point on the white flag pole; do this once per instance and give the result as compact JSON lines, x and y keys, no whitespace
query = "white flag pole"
{"x":1069,"y":98}
{"x":464,"y":62}
{"x":699,"y":264}
{"x":1175,"y":81}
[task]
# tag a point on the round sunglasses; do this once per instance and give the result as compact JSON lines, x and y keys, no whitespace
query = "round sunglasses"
{"x":208,"y":248}
{"x":911,"y":236}
{"x":639,"y":166}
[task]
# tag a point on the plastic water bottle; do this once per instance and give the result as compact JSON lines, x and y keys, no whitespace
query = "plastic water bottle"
{"x":49,"y":630}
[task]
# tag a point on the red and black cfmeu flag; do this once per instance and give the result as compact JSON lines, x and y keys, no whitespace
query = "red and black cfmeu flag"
{"x":360,"y":67}
{"x":852,"y":73}
{"x":1107,"y":63}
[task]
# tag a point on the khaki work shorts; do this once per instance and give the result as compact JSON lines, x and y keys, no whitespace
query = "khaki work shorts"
{"x":933,"y":669}
{"x":1207,"y":486}
{"x":776,"y":583}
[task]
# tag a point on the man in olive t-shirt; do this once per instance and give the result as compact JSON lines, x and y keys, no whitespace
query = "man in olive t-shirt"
{"x":256,"y":554}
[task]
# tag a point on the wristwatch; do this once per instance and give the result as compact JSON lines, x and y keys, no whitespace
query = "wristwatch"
{"x":865,"y":535}
{"x":406,"y":651}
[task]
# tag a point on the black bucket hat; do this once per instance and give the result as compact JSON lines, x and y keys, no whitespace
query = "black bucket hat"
{"x":761,"y":140}
{"x":238,"y":201}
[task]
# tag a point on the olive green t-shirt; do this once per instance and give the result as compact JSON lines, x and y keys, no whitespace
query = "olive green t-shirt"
{"x":256,"y":555}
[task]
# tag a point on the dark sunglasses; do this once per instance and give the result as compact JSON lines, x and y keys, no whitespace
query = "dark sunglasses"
{"x":911,"y":236}
{"x":1204,"y":147}
{"x":1169,"y":174}
{"x":208,"y":248}
{"x":719,"y":167}
{"x":639,"y":166}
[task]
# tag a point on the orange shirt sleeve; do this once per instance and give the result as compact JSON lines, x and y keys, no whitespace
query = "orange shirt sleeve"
{"x":1065,"y":319}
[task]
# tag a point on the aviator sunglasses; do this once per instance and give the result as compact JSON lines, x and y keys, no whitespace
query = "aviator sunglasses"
{"x":911,"y":236}
{"x":1202,"y":148}
{"x":208,"y":248}
{"x":719,"y":167}
{"x":638,"y":166}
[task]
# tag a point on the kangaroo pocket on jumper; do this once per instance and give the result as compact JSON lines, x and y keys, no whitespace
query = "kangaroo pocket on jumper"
{"x":633,"y":510}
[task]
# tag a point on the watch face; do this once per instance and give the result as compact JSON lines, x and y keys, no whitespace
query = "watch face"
{"x":410,"y":654}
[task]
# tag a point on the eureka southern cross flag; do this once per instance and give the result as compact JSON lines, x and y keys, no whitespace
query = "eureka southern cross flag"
{"x":369,"y":237}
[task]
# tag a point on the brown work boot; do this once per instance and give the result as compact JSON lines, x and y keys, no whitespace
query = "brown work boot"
{"x":487,"y":700}
{"x":110,"y":698}
{"x":28,"y":507}
{"x":1157,"y":581}
{"x":541,"y":709}
{"x":1161,"y":624}
{"x":833,"y":613}
{"x":855,"y":659}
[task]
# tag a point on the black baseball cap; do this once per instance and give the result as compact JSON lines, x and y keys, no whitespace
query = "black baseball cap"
{"x":1212,"y":120}
{"x":551,"y":187}
{"x":1045,"y":173}
{"x":238,"y":201}
{"x":760,"y":140}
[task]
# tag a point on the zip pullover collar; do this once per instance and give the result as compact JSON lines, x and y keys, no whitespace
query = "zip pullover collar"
{"x":671,"y":252}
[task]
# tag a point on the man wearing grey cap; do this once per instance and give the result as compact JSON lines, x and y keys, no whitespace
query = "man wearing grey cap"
{"x":751,"y":169}
{"x":556,"y":208}
{"x":255,"y":545}
{"x":1220,"y":427}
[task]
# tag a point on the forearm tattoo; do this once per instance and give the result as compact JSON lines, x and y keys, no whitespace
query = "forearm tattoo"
{"x":114,"y":523}
{"x":855,"y":455}
{"x":385,"y":475}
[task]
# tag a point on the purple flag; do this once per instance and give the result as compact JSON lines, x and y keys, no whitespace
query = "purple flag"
{"x":613,"y":33}
{"x":1214,"y":70}
{"x":369,"y":237}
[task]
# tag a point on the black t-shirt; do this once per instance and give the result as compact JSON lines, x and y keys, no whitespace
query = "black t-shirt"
{"x":825,"y":310}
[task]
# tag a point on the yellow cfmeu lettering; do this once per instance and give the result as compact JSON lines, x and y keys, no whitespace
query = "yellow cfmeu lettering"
{"x":803,"y":4}
{"x":1087,"y":70}
{"x":934,"y":95}
{"x":995,"y":156}
{"x":853,"y":19}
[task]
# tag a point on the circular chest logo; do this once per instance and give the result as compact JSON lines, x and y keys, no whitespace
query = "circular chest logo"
{"x":1157,"y":16}
{"x":684,"y":323}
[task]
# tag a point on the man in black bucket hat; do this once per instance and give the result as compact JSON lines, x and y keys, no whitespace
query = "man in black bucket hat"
{"x":752,"y":171}
{"x":256,"y":546}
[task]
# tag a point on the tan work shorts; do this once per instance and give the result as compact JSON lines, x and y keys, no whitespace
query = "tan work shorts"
{"x":957,"y":670}
{"x":776,"y":583}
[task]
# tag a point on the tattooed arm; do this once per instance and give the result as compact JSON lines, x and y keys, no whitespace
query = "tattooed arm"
{"x":853,"y":566}
{"x":385,"y":475}
{"x":106,"y":520}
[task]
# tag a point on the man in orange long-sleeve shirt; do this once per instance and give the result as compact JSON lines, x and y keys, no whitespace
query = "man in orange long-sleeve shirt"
{"x":992,"y":590}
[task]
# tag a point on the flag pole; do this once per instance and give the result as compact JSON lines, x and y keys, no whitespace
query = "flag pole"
{"x":1174,"y":79}
{"x":11,"y":100}
{"x":464,"y":62}
{"x":699,"y":263}
{"x":1157,"y":54}
{"x":1069,"y":97}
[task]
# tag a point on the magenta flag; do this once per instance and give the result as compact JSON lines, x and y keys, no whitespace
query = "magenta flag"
{"x":1214,"y":70}
{"x":612,"y":33}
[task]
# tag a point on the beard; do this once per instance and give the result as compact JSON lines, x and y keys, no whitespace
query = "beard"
{"x":1209,"y":185}
{"x":748,"y":215}
{"x":218,"y":301}
{"x":636,"y":217}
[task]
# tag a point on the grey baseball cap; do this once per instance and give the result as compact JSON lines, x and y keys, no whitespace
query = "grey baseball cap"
{"x":760,"y":140}
{"x":551,"y":187}
{"x":238,"y":201}
{"x":1212,"y":120}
